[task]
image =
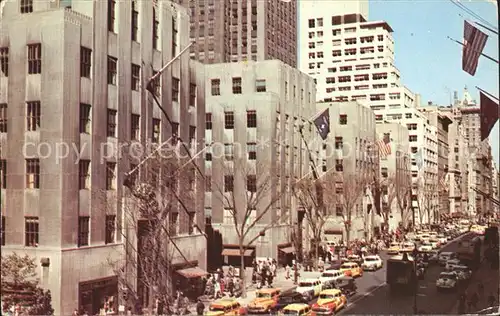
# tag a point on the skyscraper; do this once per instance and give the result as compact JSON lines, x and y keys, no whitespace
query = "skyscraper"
{"x":236,"y":30}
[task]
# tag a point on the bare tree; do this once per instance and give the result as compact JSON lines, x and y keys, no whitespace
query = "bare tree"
{"x":389,"y":197}
{"x":318,"y":199}
{"x":250,"y":193}
{"x":151,"y":205}
{"x":403,"y":198}
{"x":353,"y":187}
{"x":425,"y":194}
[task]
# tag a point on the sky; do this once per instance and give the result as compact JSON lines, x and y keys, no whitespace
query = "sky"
{"x":429,"y":62}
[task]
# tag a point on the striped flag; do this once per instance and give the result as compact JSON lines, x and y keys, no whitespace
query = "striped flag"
{"x":474,"y":42}
{"x":443,"y":183}
{"x":384,"y":145}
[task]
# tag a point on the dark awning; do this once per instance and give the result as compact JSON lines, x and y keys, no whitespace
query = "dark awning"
{"x":194,"y":272}
{"x":288,"y":249}
{"x":236,"y":252}
{"x":333,"y":232}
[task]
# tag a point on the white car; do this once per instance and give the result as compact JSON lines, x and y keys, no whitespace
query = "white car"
{"x":452,"y":263}
{"x":463,"y":272}
{"x":330,"y":276}
{"x":309,"y":288}
{"x":425,"y":247}
{"x":372,"y":263}
{"x":447,"y":280}
{"x":442,"y":239}
{"x":443,"y":257}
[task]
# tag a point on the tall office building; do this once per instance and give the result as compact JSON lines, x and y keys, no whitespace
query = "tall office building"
{"x":74,"y":73}
{"x":236,"y":30}
{"x":255,"y":152}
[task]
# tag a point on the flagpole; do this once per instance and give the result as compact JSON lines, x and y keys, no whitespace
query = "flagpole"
{"x":485,"y":27}
{"x":484,"y":55}
{"x":486,"y":92}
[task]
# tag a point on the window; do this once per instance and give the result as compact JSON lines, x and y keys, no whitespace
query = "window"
{"x":111,"y":123}
{"x":252,"y":183}
{"x":260,"y":85}
{"x":343,"y":119}
{"x":208,"y":121}
{"x":228,"y":184}
{"x":84,"y":174}
{"x":192,"y":94}
{"x":135,"y":121}
{"x":155,"y":138}
{"x":208,"y":184}
{"x":412,"y":138}
{"x":191,"y":222}
{"x":339,"y":143}
{"x":384,"y":172}
{"x":174,"y":223}
{"x":85,"y":116}
{"x":339,"y":165}
{"x":251,"y":119}
{"x":3,"y":174}
{"x":174,"y":36}
{"x":2,"y":231}
{"x":26,"y":6}
{"x":312,"y":23}
{"x":228,"y":151}
{"x":320,"y":22}
{"x":31,"y":231}
{"x":112,"y":70}
{"x":85,"y":62}
{"x":237,"y":85}
{"x":135,"y":21}
{"x":111,"y":15}
{"x":156,"y":84}
{"x":4,"y":61}
{"x":110,"y":229}
{"x":175,"y":89}
{"x":83,"y":230}
{"x":192,"y":134}
{"x":228,"y":120}
{"x":215,"y":86}
{"x":175,"y":133}
{"x":136,"y":77}
{"x":3,"y":118}
{"x":32,"y":173}
{"x":252,"y":151}
{"x":34,"y":59}
{"x":110,"y":175}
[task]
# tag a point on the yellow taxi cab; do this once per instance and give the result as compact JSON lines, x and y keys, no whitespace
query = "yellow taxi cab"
{"x":351,"y":269}
{"x":393,"y":249}
{"x":225,"y":307}
{"x":407,"y":247}
{"x":297,"y":310}
{"x":264,"y":302}
{"x":329,"y":302}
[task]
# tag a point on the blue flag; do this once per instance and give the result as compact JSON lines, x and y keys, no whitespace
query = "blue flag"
{"x":322,"y":123}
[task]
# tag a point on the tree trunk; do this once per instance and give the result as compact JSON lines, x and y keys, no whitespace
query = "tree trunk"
{"x":347,"y":233}
{"x":242,"y":271}
{"x":316,"y":248}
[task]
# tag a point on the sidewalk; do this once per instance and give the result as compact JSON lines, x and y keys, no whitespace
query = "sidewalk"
{"x":490,"y":279}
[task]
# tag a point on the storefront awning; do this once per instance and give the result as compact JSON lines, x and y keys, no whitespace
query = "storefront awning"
{"x":288,"y":249}
{"x":333,"y":232}
{"x":236,"y":252}
{"x":194,"y":272}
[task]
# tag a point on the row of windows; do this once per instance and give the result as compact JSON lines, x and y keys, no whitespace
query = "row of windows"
{"x":34,"y":54}
{"x":229,"y":152}
{"x":32,"y":230}
{"x":229,"y":120}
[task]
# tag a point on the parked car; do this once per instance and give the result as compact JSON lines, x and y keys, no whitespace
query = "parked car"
{"x":372,"y":263}
{"x":447,"y":281}
{"x":287,"y":298}
{"x":309,"y":288}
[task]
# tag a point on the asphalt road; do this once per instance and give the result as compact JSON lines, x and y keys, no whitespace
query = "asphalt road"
{"x":374,"y":297}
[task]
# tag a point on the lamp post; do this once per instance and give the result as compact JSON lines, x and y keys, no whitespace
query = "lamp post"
{"x":415,"y":293}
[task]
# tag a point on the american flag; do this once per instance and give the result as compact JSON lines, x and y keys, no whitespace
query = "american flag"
{"x":474,"y":42}
{"x":384,"y":146}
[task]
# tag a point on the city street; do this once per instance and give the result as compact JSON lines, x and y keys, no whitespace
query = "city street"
{"x":374,"y":296}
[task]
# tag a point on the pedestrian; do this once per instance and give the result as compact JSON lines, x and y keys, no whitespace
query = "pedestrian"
{"x":287,"y":272}
{"x":200,"y":307}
